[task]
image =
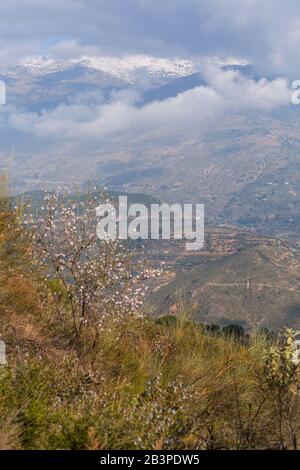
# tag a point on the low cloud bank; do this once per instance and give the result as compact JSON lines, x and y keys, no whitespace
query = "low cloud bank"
{"x":85,"y":120}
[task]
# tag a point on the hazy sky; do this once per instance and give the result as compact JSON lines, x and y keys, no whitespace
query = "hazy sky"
{"x":266,"y":32}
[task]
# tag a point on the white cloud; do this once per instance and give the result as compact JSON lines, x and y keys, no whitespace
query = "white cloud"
{"x":243,"y":93}
{"x":82,"y":121}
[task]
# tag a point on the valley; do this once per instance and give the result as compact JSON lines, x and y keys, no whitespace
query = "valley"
{"x":237,"y":278}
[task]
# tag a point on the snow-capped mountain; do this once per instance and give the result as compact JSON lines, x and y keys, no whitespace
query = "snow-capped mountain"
{"x":43,"y":82}
{"x":123,"y":68}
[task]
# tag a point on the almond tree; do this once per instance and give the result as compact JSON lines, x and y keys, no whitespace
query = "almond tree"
{"x":101,"y":281}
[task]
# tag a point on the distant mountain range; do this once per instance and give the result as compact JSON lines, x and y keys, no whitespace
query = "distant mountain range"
{"x":121,"y":68}
{"x":245,"y":167}
{"x":43,"y":82}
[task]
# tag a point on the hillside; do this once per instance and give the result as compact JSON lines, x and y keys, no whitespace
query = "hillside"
{"x":121,"y":380}
{"x":254,"y":286}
